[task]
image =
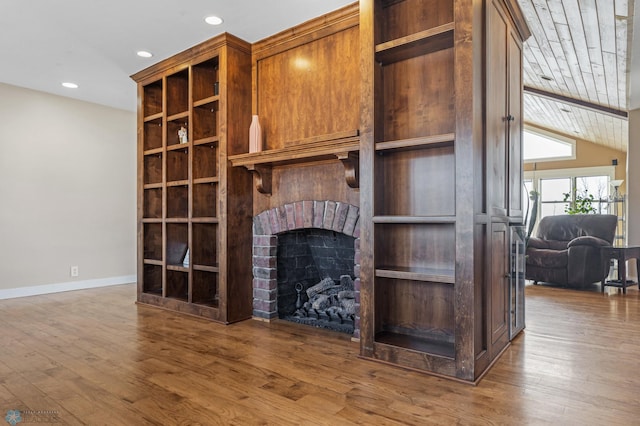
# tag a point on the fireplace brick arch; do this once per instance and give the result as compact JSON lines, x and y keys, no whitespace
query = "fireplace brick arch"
{"x":326,"y":214}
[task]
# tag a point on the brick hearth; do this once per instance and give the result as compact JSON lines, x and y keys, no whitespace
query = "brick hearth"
{"x":331,"y":215}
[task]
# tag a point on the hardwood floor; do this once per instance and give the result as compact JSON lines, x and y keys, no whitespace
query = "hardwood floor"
{"x":94,"y":357}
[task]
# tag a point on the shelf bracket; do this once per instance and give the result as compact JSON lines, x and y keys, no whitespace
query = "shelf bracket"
{"x":262,"y":176}
{"x":351,"y":162}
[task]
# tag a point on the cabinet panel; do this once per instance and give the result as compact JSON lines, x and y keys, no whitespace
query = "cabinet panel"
{"x":310,"y":90}
{"x":206,"y":79}
{"x":499,"y":290}
{"x":418,"y":102}
{"x":205,"y":288}
{"x":403,"y":18}
{"x":497,"y":108}
{"x":205,"y":244}
{"x":153,"y":134}
{"x":178,"y":93}
{"x":152,"y":99}
{"x":177,"y":285}
{"x":415,"y":315}
{"x":177,"y":243}
{"x":418,"y":182}
{"x":152,"y":203}
{"x":178,"y":165}
{"x":177,"y":201}
{"x":152,"y":279}
{"x":515,"y":126}
{"x":205,"y":161}
{"x":152,"y":169}
{"x":152,"y":241}
{"x":205,"y":121}
{"x":421,"y":246}
{"x":205,"y":200}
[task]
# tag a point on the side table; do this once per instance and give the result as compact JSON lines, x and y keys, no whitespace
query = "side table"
{"x":621,"y":254}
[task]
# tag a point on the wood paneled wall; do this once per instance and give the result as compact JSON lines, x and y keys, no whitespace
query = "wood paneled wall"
{"x":306,"y":84}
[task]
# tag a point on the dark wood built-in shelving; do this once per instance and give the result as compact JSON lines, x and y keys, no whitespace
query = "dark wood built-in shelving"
{"x":188,"y":197}
{"x":435,"y":167}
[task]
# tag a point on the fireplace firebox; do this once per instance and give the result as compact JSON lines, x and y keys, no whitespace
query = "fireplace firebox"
{"x":306,"y":264}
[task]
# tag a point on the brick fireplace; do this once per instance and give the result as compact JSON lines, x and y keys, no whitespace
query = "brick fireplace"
{"x":313,"y":214}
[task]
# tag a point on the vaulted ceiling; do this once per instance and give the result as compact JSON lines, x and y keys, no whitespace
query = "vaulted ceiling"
{"x":576,"y":68}
{"x":576,"y":64}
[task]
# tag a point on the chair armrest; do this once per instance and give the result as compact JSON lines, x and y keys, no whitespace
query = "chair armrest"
{"x":537,"y":243}
{"x":588,"y":241}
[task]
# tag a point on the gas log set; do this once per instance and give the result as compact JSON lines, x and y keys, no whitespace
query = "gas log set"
{"x":328,"y":304}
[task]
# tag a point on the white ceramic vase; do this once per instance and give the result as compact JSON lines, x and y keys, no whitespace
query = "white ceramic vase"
{"x":255,"y":135}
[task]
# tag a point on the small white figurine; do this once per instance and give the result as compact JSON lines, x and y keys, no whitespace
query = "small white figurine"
{"x":182,"y":135}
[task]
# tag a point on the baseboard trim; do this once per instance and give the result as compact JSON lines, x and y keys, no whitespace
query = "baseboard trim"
{"x":13,"y":293}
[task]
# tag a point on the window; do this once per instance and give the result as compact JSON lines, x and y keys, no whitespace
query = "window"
{"x":539,"y":145}
{"x":551,"y":186}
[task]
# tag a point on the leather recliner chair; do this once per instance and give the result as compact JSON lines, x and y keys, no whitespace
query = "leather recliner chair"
{"x":566,"y":249}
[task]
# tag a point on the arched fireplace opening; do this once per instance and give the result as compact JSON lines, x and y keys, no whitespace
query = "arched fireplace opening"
{"x":308,"y":253}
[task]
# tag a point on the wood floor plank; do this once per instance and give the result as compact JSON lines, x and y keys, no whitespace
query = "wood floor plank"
{"x":96,"y":357}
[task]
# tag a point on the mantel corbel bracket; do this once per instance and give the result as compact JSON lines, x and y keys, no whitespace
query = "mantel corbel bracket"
{"x":351,"y":162}
{"x":262,"y":176}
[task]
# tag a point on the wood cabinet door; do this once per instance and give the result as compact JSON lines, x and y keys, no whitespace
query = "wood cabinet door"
{"x":497,"y":108}
{"x":515,"y":124}
{"x":499,"y":288}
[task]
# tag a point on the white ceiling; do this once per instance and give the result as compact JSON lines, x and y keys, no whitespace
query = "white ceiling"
{"x":93,"y":43}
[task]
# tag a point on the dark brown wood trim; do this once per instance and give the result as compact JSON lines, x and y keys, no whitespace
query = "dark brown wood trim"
{"x":314,"y":29}
{"x":518,"y":19}
{"x":193,"y":55}
{"x":576,"y":102}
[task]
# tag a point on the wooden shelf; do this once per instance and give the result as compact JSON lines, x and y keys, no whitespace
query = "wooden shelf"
{"x":154,"y":151}
{"x":435,"y":141}
{"x":414,"y":219}
{"x":446,"y":276}
{"x":178,"y":116}
{"x":424,"y":345}
{"x":152,"y":262}
{"x":206,"y":101}
{"x":153,"y":117}
{"x":205,"y":141}
{"x":344,"y":146}
{"x":178,"y":183}
{"x":152,"y":220}
{"x":206,"y":180}
{"x":204,"y":220}
{"x":176,"y":220}
{"x":205,"y":268}
{"x":417,"y":44}
{"x":153,"y":185}
{"x":178,"y":146}
{"x":178,"y":268}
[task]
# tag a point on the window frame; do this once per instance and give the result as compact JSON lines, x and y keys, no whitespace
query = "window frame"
{"x":553,"y":136}
{"x":571,"y":173}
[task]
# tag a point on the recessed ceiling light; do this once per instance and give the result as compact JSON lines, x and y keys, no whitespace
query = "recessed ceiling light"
{"x":213,"y":20}
{"x":70,"y":85}
{"x":546,"y":77}
{"x":144,"y":54}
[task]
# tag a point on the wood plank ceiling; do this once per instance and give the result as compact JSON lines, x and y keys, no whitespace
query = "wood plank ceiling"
{"x":576,"y":68}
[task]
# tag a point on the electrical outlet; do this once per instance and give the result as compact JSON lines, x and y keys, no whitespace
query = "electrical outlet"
{"x":75,"y":271}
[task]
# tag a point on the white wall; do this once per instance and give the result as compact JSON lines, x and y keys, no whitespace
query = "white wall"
{"x":67,"y":193}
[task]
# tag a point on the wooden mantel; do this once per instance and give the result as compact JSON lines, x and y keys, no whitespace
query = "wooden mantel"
{"x":344,"y":146}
